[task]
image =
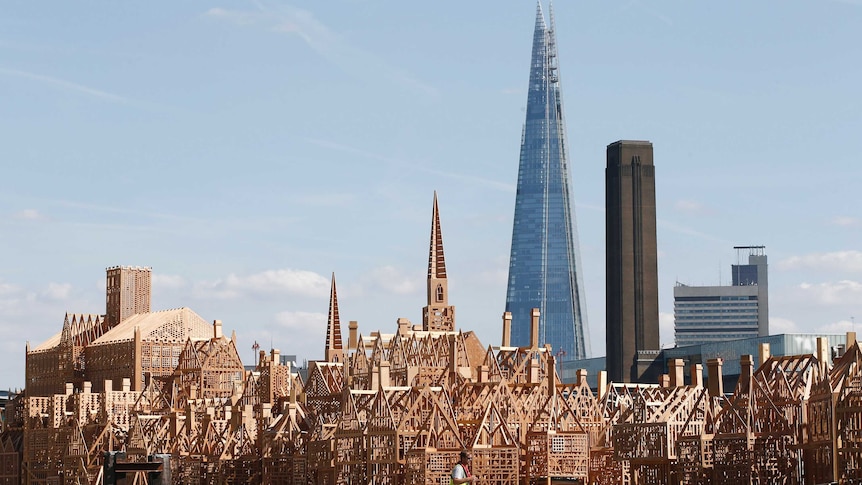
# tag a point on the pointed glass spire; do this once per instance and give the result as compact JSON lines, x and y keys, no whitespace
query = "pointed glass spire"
{"x":544,"y":265}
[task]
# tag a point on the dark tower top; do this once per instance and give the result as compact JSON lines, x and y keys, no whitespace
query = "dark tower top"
{"x":127,"y":293}
{"x":544,"y":265}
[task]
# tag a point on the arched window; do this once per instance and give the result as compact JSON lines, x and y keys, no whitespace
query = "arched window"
{"x":439,"y":293}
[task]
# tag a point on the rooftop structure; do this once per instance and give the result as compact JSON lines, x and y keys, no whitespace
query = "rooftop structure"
{"x":127,"y":292}
{"x":127,"y":342}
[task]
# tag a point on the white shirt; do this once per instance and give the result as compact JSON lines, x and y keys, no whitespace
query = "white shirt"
{"x":458,"y":472}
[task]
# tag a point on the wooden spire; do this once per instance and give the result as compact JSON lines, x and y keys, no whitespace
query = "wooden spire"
{"x":334,"y":350}
{"x":438,"y":315}
{"x":436,"y":260}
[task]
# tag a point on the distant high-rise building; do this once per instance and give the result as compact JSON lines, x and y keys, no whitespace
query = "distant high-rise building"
{"x":632,"y":267}
{"x":544,"y":265}
{"x":704,"y":314}
{"x":127,"y":293}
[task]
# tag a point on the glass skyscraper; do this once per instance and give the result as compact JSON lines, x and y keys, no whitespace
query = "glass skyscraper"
{"x":544,"y":265}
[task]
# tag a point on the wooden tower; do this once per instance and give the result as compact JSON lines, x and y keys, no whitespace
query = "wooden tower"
{"x":334,"y":351}
{"x":438,"y":315}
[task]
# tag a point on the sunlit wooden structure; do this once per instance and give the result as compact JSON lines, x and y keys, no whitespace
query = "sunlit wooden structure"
{"x":142,"y":387}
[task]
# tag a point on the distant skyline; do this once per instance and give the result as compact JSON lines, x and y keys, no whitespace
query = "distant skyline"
{"x":245,"y":151}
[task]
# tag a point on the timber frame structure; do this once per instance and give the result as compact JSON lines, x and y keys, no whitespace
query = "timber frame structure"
{"x":165,"y":394}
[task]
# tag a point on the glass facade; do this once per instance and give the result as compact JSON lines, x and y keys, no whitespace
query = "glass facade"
{"x":705,"y":314}
{"x":730,"y":351}
{"x":714,"y":318}
{"x":544,"y":265}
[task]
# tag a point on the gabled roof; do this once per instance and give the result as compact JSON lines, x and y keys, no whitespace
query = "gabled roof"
{"x":175,"y":325}
{"x":49,"y":344}
{"x":82,"y":326}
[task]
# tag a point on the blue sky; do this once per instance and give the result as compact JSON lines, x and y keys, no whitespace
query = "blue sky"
{"x":247,"y":150}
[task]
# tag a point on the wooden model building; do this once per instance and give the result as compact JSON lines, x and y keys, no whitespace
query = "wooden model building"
{"x":135,"y":396}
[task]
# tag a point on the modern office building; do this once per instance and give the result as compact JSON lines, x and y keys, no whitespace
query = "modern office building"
{"x":631,"y":264}
{"x":544,"y":265}
{"x":704,"y":314}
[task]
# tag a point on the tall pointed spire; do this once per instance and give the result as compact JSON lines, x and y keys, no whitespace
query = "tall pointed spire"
{"x":544,"y":266}
{"x":334,"y":351}
{"x":438,"y":315}
{"x":436,"y":260}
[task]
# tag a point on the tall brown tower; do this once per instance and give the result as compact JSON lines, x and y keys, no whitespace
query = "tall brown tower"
{"x":632,"y":268}
{"x":438,"y":315}
{"x":334,"y":351}
{"x":127,"y":293}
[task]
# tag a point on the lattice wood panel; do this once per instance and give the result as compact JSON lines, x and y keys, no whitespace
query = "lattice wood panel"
{"x":558,"y":455}
{"x":111,"y":361}
{"x":496,"y":465}
{"x":429,"y":466}
{"x":732,"y":458}
{"x":653,"y":474}
{"x":604,"y":470}
{"x":694,"y":460}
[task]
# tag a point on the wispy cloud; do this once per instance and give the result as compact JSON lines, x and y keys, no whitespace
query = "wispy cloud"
{"x":167,"y":281}
{"x":845,"y":261}
{"x":672,"y":226}
{"x":778,"y":325}
{"x":843,"y":292}
{"x":839,"y":327}
{"x":307,"y":331}
{"x":108,"y":209}
{"x":324,"y":41}
{"x":73,"y":87}
{"x":655,"y":13}
{"x":28,"y":215}
{"x":302,"y":320}
{"x":7,"y":289}
{"x":846,"y":221}
{"x":58,"y":291}
{"x":394,"y":280}
{"x":67,"y":85}
{"x":495,"y":184}
{"x":267,"y":283}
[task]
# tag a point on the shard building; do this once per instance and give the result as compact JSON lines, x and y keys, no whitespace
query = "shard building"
{"x":544,"y":264}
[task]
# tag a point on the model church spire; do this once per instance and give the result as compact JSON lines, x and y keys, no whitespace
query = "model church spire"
{"x":334,"y":349}
{"x":438,"y":315}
